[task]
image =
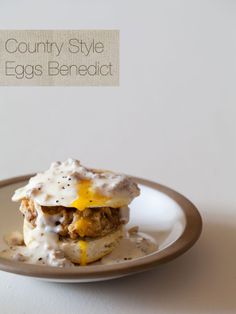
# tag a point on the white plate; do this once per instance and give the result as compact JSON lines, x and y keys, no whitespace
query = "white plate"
{"x":167,"y":216}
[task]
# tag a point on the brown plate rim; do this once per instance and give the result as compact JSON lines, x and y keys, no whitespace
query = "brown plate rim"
{"x":189,"y":236}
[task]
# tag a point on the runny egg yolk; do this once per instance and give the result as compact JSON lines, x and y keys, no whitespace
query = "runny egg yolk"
{"x":87,"y":197}
{"x":82,"y":225}
{"x":83,"y":252}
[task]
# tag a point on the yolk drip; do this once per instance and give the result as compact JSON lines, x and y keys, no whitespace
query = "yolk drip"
{"x":87,"y":197}
{"x":82,"y":226}
{"x":83,"y":252}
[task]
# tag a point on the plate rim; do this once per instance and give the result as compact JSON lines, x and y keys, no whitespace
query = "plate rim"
{"x":190,"y":235}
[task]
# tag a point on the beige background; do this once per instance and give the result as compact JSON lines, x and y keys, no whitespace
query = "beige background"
{"x":171,"y":120}
{"x":16,"y":47}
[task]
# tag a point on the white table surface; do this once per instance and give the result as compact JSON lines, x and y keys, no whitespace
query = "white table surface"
{"x":172,"y":120}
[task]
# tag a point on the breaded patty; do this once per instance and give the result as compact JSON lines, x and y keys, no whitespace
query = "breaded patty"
{"x":93,"y":223}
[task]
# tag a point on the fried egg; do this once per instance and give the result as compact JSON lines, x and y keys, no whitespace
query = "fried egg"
{"x":70,"y":184}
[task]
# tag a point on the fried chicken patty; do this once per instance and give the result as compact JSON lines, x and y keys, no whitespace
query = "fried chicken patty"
{"x":95,"y":222}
